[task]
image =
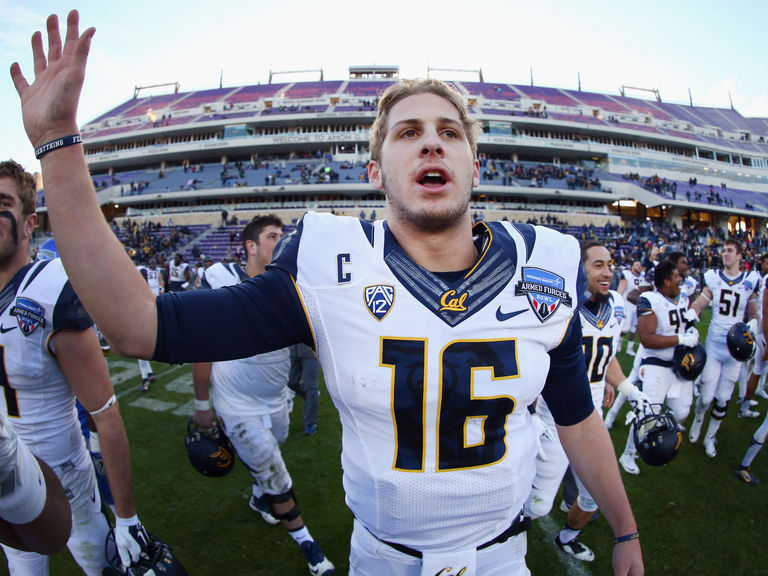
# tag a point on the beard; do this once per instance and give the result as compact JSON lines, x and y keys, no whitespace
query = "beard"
{"x":599,"y":297}
{"x":428,"y":218}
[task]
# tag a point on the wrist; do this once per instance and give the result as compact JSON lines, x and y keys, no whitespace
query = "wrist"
{"x":202,"y":405}
{"x":130,"y":521}
{"x":626,"y":387}
{"x":626,"y":537}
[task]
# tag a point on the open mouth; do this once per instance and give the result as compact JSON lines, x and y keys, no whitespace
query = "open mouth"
{"x":432,"y":178}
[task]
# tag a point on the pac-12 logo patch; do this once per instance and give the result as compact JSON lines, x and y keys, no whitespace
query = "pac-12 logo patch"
{"x":379,"y":300}
{"x":545,"y":291}
{"x":29,"y":314}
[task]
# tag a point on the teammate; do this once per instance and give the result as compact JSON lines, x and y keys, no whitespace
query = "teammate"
{"x":179,"y":274}
{"x":752,"y":373}
{"x":662,"y":325}
{"x":454,"y":331}
{"x":689,"y":289}
{"x":601,"y":318}
{"x":744,"y":471}
{"x":52,"y":354}
{"x":733,"y":294}
{"x":689,"y":286}
{"x":249,"y":396}
{"x":155,"y":280}
{"x":34,"y":511}
{"x":632,"y":279}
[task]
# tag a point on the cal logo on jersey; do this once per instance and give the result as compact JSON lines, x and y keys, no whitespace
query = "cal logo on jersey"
{"x":29,"y":314}
{"x":379,"y":300}
{"x":545,"y":291}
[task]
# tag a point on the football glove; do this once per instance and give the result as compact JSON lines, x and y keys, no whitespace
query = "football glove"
{"x":542,"y":430}
{"x":752,"y":325}
{"x":689,"y":339}
{"x":131,"y":540}
{"x":690,"y":315}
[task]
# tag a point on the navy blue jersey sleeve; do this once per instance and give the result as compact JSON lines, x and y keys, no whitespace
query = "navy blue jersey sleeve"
{"x":644,"y":306}
{"x":69,"y":313}
{"x":259,"y":315}
{"x":567,"y":391}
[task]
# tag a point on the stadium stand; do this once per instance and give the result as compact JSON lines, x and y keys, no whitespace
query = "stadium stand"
{"x":589,"y":158}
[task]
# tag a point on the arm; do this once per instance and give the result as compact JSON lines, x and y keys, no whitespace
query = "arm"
{"x":591,"y":454}
{"x":80,"y":359}
{"x":201,"y":379}
{"x":49,"y":109}
{"x":646,"y":329}
{"x":703,"y":300}
{"x":622,"y":285}
{"x":635,"y":294}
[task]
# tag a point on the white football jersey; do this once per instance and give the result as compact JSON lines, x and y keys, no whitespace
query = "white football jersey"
{"x":689,"y":286}
{"x":601,"y":335}
{"x":153,"y":278}
{"x":39,"y":402}
{"x":176,"y":272}
{"x":669,"y":319}
{"x":633,"y":282}
{"x":438,"y":447}
{"x":255,"y":385}
{"x":729,"y":299}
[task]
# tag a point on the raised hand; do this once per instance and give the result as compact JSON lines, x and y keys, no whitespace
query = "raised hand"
{"x":49,"y":104}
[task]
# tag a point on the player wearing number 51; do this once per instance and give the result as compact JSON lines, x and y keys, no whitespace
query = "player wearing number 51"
{"x":431,"y":375}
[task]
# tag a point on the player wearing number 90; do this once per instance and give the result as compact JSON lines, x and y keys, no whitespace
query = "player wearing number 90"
{"x":732,"y":292}
{"x":433,"y":336}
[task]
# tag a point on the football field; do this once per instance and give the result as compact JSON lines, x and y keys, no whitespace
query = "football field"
{"x":694,"y":515}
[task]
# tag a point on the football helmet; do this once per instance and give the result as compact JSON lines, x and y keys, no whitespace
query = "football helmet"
{"x":741,"y":342}
{"x":689,"y":361}
{"x":209,"y":451}
{"x":657,"y":436}
{"x":157,"y":560}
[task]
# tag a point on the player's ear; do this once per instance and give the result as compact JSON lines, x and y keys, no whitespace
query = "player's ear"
{"x":374,"y":175}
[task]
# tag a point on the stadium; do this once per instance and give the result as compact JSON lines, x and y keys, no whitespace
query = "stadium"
{"x":198,"y":165}
{"x":582,"y":158}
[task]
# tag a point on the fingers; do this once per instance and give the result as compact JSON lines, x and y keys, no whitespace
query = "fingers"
{"x":18,"y":78}
{"x":38,"y":56}
{"x":82,"y":48}
{"x":73,"y":21}
{"x":54,"y":38}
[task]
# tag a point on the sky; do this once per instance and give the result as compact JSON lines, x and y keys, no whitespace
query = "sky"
{"x":711,"y":48}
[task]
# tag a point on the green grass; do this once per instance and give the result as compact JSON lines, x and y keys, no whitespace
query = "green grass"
{"x":694,"y":515}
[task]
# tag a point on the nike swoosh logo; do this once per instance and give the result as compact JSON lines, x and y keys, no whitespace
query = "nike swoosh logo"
{"x":501,"y":316}
{"x":3,"y":329}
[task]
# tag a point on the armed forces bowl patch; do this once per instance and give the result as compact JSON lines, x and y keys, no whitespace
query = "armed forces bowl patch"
{"x":545,"y":291}
{"x":29,"y":314}
{"x":379,"y":300}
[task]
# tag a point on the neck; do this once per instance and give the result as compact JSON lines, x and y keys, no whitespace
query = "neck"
{"x":445,"y":251}
{"x":254,"y":267}
{"x":732,"y":270}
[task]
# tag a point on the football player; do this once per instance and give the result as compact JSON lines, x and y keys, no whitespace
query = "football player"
{"x":153,"y":274}
{"x":250,"y":395}
{"x":632,"y":278}
{"x":602,"y":318}
{"x":454,"y":329}
{"x":753,"y":372}
{"x":51,"y":354}
{"x":662,"y":325}
{"x":688,"y":288}
{"x":744,"y":471}
{"x":179,"y":274}
{"x":34,"y":511}
{"x":733,"y":294}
